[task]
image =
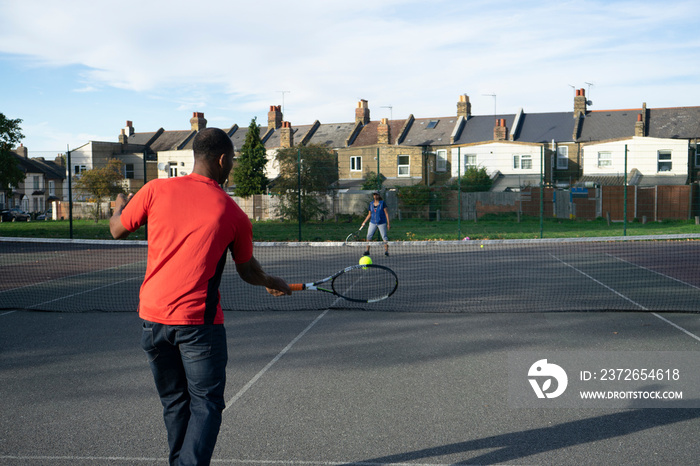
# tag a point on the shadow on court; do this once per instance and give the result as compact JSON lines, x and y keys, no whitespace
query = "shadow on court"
{"x":520,"y":445}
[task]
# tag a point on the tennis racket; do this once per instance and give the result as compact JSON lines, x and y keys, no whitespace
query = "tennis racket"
{"x":357,"y":283}
{"x":354,"y":236}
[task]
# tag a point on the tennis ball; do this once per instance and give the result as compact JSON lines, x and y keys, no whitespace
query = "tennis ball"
{"x":365,"y":260}
{"x":482,"y":245}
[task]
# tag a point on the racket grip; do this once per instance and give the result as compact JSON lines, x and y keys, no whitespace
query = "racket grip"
{"x":296,"y":286}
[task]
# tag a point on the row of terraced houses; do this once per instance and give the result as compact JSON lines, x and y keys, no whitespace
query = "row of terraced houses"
{"x":642,"y":147}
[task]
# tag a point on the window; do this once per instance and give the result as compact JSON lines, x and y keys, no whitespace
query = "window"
{"x":129,"y":171}
{"x":432,"y":124}
{"x":78,"y":169}
{"x":404,"y":164}
{"x":356,"y":164}
{"x":36,"y":181}
{"x":173,"y":169}
{"x":604,"y":159}
{"x":522,"y":162}
{"x":469,"y":161}
{"x":441,"y":160}
{"x":52,"y":188}
{"x":665,"y":163}
{"x":562,"y":158}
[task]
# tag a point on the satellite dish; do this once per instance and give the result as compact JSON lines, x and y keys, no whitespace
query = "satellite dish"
{"x":162,"y":167}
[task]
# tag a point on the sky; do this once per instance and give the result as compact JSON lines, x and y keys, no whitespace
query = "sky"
{"x":76,"y":72}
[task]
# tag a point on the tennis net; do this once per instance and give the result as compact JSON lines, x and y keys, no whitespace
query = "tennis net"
{"x":646,"y":273}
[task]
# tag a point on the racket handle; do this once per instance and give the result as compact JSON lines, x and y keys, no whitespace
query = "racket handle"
{"x":296,"y":286}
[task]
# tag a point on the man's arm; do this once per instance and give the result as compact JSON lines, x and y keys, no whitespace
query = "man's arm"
{"x":115,"y":223}
{"x":253,"y":273}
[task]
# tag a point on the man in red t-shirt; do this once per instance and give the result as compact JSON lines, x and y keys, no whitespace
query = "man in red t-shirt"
{"x":192,"y":224}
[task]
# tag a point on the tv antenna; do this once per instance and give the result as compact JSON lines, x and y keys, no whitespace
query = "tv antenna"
{"x":391,"y":111}
{"x":588,"y":92}
{"x":283,"y":93}
{"x":494,"y":103}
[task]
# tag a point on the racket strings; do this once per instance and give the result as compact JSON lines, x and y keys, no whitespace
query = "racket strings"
{"x":365,"y":284}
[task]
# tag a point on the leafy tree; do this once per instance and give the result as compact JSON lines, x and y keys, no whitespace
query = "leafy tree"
{"x":474,"y":180}
{"x":10,"y":135}
{"x":373,"y":182}
{"x":249,"y":175}
{"x":101,"y":183}
{"x":319,"y":170}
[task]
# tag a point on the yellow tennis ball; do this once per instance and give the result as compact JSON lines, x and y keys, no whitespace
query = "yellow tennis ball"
{"x":365,"y":260}
{"x":482,"y":245}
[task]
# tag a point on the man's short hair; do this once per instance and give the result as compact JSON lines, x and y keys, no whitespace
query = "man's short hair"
{"x":210,"y":143}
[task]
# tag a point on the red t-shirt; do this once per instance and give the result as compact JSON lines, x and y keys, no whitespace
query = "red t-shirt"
{"x":192,"y":223}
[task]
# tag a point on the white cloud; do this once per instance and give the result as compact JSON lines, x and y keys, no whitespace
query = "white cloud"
{"x":233,"y":57}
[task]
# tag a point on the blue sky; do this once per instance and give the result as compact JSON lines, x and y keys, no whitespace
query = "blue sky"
{"x":76,"y":72}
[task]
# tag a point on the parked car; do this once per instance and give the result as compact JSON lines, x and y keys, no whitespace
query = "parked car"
{"x":45,"y":216}
{"x":14,"y":215}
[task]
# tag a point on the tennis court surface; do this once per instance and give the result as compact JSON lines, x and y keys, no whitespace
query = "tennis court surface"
{"x":420,"y":379}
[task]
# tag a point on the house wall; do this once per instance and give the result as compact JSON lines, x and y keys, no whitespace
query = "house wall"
{"x":388,"y":163}
{"x":498,"y":157}
{"x":184,"y":162}
{"x":642,"y":154}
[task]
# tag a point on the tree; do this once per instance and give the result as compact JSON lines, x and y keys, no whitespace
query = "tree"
{"x":101,"y":183}
{"x":474,"y":180}
{"x":318,"y":171}
{"x":10,"y":135}
{"x":249,"y":175}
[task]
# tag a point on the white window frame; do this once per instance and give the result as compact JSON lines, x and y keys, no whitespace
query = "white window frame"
{"x":666,"y":162}
{"x":52,"y":188}
{"x":129,"y":170}
{"x":441,"y":160}
{"x":697,"y":156}
{"x":403,"y":169}
{"x":79,"y":169}
{"x":605,"y":159}
{"x":469,"y":162}
{"x":562,"y":158}
{"x":356,"y":163}
{"x":522,"y":162}
{"x":172,"y":169}
{"x":36,"y":182}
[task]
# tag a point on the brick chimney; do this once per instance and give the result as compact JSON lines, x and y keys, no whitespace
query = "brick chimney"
{"x":362,"y":112}
{"x":122,"y":137}
{"x":580,"y":103}
{"x":22,"y":151}
{"x":197,"y":121}
{"x":129,"y":129}
{"x":286,"y":135}
{"x":639,"y":126}
{"x":274,"y":117}
{"x":383,"y":132}
{"x":464,"y":107}
{"x":500,"y":132}
{"x":60,"y":160}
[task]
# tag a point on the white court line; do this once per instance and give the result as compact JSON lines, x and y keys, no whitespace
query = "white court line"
{"x":104,"y":459}
{"x":653,"y":271}
{"x":628,"y":299}
{"x":252,"y":381}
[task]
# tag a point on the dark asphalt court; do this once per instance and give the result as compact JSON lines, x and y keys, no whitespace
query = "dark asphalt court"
{"x":336,"y":387}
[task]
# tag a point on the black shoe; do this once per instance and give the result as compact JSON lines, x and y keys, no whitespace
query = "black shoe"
{"x":386,"y":253}
{"x":366,"y":253}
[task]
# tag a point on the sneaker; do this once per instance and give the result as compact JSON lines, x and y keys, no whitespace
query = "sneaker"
{"x":366,"y":253}
{"x":386,"y":253}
